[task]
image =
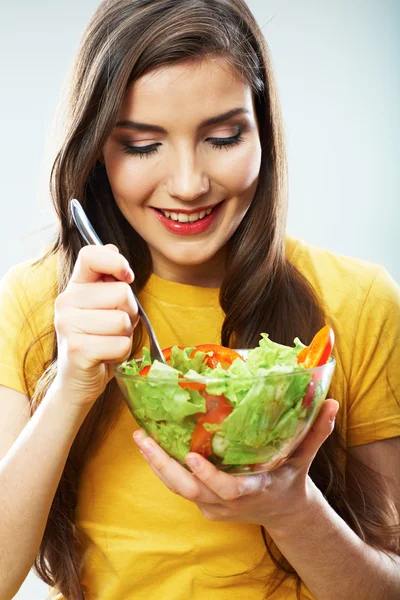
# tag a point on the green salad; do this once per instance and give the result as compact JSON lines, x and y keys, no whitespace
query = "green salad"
{"x":235,"y":410}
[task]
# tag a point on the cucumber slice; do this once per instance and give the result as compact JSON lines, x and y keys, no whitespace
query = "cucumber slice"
{"x":219,"y":445}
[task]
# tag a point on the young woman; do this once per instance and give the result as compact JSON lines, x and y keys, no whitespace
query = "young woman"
{"x":175,"y":149}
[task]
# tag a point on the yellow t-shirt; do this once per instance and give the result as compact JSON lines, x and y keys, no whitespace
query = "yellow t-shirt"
{"x":146,"y":542}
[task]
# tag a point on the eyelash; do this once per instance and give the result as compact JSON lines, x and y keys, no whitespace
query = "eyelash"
{"x":218,"y":143}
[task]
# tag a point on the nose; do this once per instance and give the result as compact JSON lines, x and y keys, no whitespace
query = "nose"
{"x":186,"y":178}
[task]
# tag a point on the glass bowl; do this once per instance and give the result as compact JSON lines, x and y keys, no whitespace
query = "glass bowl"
{"x":269,"y":415}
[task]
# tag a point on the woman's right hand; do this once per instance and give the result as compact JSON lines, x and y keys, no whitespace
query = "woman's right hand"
{"x":95,"y":317}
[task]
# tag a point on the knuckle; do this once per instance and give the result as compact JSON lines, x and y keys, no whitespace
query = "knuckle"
{"x":162,"y":468}
{"x":124,"y":292}
{"x":85,"y":254}
{"x":192,"y":493}
{"x":125,"y":345}
{"x":124,"y":322}
{"x":74,"y":347}
{"x":230,"y":495}
{"x":61,"y":315}
{"x":60,"y":301}
{"x":211,"y":516}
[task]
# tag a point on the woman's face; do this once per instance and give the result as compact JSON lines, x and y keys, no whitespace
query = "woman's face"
{"x":183,"y":163}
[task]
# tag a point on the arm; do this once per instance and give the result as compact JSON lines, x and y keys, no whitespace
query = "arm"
{"x":29,"y":474}
{"x":94,"y":321}
{"x":342,"y":565}
{"x":330,"y":558}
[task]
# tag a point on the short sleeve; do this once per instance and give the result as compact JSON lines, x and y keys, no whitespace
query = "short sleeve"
{"x":374,"y":387}
{"x":26,"y":323}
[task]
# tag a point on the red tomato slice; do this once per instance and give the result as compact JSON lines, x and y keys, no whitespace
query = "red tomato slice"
{"x":220,"y":354}
{"x":320,"y":349}
{"x":218,"y":408}
{"x":201,"y":441}
{"x":145,"y":371}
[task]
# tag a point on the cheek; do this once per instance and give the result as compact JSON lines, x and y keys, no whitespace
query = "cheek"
{"x":131,"y":183}
{"x":238,"y":173}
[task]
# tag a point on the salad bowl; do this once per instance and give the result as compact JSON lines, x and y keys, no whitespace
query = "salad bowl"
{"x":246,"y":411}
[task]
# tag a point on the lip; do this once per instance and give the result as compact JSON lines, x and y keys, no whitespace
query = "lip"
{"x":188,"y":228}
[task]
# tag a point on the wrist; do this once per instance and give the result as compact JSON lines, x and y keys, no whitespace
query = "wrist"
{"x":58,"y":398}
{"x":310,"y":505}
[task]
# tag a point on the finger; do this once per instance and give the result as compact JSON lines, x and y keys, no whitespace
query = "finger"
{"x":96,"y":322}
{"x":217,"y":512}
{"x":95,"y":261}
{"x":94,"y":349}
{"x":178,"y":479}
{"x":225,"y":486}
{"x":318,"y":433}
{"x":116,"y":295}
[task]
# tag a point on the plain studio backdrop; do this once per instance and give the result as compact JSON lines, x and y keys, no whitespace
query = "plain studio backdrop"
{"x":337,"y":69}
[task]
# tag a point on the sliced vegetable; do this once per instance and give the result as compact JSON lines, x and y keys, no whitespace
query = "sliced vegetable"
{"x":167,"y":352}
{"x":218,"y":408}
{"x":145,"y":371}
{"x":216,"y":354}
{"x":193,"y":385}
{"x":319,"y":351}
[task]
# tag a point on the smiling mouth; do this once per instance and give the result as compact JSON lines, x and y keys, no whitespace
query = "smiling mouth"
{"x":187,"y":216}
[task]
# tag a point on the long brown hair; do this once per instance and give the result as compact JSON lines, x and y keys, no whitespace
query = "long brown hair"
{"x":124,"y":40}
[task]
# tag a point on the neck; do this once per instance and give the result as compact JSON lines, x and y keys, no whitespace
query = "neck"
{"x":209,"y":274}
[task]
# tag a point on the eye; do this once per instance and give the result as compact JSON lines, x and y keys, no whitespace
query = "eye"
{"x":225,"y":142}
{"x":141,"y":151}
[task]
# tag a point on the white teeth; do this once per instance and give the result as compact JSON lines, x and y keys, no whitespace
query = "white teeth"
{"x":193,"y":217}
{"x":186,"y":218}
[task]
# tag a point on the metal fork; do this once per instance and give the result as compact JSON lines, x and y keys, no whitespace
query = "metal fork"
{"x":90,"y":236}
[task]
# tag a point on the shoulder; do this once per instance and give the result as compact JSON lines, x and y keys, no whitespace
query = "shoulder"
{"x":31,"y":279}
{"x":343,"y":283}
{"x":27,"y":294}
{"x":29,"y":289}
{"x":361,"y":302}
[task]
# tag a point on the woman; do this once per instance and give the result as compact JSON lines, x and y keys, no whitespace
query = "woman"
{"x":175,"y":149}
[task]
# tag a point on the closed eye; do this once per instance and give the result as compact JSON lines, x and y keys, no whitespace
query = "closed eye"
{"x":225,"y":142}
{"x":216,"y":142}
{"x":142,"y":151}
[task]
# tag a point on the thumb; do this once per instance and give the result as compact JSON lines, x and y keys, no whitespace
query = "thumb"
{"x":318,"y":433}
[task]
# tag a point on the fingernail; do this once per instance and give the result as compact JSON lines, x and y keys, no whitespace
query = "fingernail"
{"x":138,"y":435}
{"x":333,"y":416}
{"x":193,"y":463}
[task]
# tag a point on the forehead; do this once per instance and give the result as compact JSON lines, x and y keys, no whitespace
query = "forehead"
{"x":190,"y":90}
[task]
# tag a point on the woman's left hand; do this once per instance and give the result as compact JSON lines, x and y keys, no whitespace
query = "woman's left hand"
{"x":262,"y":498}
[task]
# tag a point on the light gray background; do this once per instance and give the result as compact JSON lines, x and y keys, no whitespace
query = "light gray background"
{"x":337,"y":67}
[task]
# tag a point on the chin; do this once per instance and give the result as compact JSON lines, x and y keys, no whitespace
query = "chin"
{"x":189,"y":260}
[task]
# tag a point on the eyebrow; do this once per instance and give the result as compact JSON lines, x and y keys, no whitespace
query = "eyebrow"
{"x":135,"y":125}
